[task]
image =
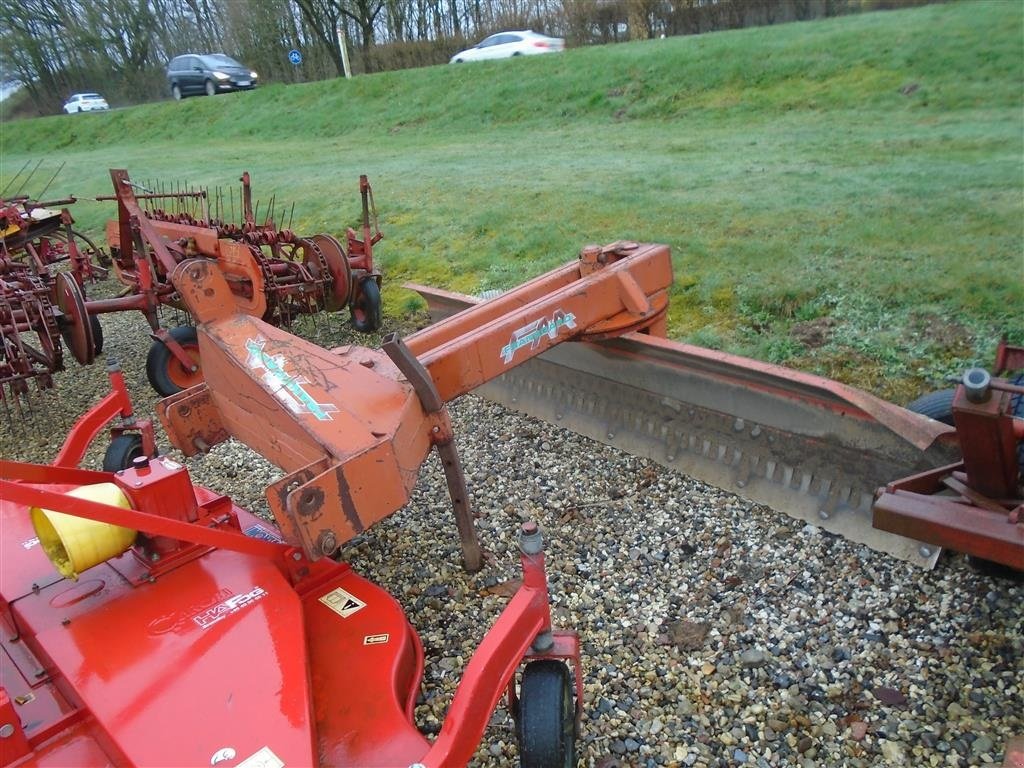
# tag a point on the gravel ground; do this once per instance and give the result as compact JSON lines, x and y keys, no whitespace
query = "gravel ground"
{"x":715,"y":632}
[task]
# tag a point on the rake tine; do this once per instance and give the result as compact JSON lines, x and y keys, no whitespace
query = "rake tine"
{"x":52,"y":179}
{"x":8,"y":184}
{"x":7,"y":410}
{"x":291,"y":216}
{"x":29,"y":177}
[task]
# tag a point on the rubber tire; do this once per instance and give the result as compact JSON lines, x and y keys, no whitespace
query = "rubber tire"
{"x":368,"y":303}
{"x":176,"y":92}
{"x":547,"y":716}
{"x":935,"y":405}
{"x":211,"y":89}
{"x":121,"y":451}
{"x":97,"y":334}
{"x":160,"y":359}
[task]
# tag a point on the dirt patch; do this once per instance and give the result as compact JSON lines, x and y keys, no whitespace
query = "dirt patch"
{"x":815,"y":333}
{"x":944,"y":333}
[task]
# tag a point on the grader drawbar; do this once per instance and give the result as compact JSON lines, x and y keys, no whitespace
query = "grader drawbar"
{"x":171,"y":605}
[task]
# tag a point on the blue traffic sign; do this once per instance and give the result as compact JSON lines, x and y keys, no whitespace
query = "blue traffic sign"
{"x":294,"y":57}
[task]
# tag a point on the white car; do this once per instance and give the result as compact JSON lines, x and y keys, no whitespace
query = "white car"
{"x":504,"y":45}
{"x":85,"y":102}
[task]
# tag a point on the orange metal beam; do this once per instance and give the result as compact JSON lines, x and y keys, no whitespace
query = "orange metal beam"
{"x":352,"y":426}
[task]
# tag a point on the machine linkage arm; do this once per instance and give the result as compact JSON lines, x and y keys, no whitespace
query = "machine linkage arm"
{"x":609,"y":291}
{"x":352,"y":425}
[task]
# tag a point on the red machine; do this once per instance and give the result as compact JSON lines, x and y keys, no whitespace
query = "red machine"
{"x":273,"y":273}
{"x":39,"y":305}
{"x":193,"y":633}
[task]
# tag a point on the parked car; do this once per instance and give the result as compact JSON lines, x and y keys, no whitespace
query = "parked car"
{"x":504,"y":45}
{"x":208,"y":73}
{"x":85,"y":102}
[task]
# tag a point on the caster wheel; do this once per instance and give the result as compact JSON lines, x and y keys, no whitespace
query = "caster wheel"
{"x":547,"y":716}
{"x":121,"y":451}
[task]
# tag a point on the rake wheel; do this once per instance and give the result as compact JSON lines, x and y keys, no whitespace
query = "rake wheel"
{"x":75,"y":324}
{"x":339,"y":269}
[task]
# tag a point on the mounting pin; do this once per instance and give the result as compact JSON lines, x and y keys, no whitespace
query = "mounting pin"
{"x":531,"y":542}
{"x":543,"y":642}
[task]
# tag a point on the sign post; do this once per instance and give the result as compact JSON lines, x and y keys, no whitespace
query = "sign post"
{"x":344,"y":53}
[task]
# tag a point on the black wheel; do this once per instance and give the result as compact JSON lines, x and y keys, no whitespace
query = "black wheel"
{"x":547,"y":716}
{"x":121,"y":451}
{"x":365,"y":308}
{"x":211,"y":89}
{"x":97,"y":334}
{"x":165,"y":372}
{"x":935,"y":405}
{"x":176,"y":92}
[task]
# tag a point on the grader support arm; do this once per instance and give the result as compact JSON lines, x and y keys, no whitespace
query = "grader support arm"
{"x":352,"y":425}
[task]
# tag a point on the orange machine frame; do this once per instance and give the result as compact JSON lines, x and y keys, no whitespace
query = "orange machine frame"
{"x":351,"y":426}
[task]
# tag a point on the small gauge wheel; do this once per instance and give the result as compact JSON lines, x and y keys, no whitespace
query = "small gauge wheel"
{"x":165,"y":372}
{"x":121,"y":451}
{"x":365,"y":306}
{"x":547,"y":716}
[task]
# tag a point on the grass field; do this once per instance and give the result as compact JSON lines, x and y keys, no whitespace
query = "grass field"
{"x":843,"y":196}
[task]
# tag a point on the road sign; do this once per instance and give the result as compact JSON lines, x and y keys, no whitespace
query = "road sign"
{"x":294,"y":57}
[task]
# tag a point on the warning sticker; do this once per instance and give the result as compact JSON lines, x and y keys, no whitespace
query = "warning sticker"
{"x":264,"y":758}
{"x":376,"y":639}
{"x":342,"y":603}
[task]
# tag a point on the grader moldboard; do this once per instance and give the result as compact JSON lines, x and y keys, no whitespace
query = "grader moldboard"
{"x":262,"y":648}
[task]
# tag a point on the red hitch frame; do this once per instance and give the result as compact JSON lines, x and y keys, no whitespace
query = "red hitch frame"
{"x":977,"y":504}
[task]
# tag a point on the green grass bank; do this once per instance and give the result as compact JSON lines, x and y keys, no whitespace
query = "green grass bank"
{"x":843,"y":196}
